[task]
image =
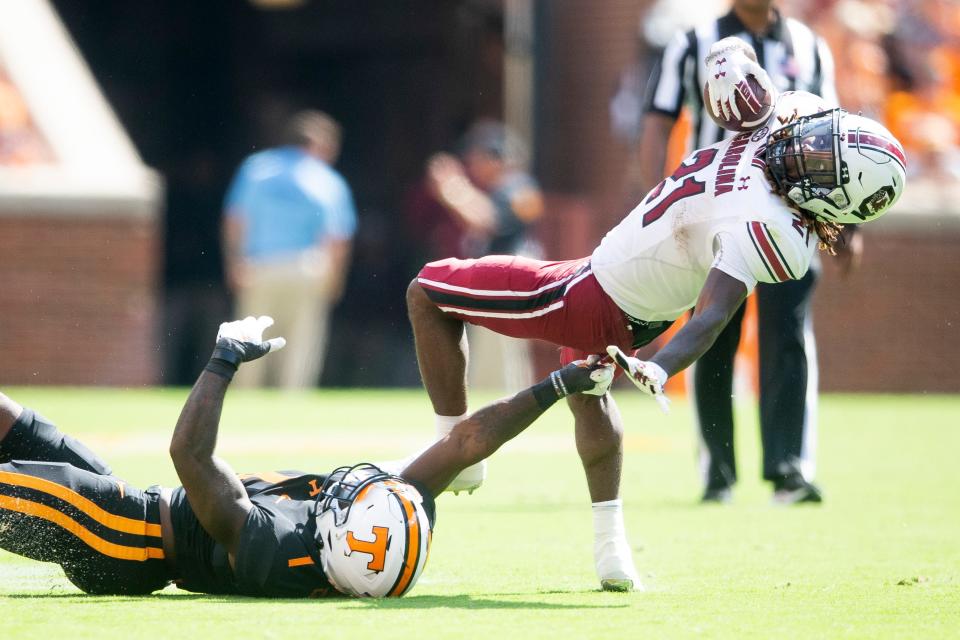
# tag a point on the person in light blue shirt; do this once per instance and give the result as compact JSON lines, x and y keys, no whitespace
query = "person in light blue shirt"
{"x":288,"y":230}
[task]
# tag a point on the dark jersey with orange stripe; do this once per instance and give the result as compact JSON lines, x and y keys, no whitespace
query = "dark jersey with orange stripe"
{"x":279,"y":554}
{"x":60,"y":503}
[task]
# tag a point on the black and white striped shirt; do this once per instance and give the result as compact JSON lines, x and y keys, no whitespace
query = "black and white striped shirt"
{"x":794,"y":56}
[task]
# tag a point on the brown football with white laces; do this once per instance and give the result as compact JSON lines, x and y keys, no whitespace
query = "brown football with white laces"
{"x":754,"y":110}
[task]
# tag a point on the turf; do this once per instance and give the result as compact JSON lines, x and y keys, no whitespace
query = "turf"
{"x":880,"y":558}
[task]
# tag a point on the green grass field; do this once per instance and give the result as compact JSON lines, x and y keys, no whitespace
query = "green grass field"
{"x":880,"y":558}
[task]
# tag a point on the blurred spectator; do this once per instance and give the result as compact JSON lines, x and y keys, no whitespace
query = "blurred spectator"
{"x":20,"y":142}
{"x":901,"y":64}
{"x":482,"y":202}
{"x":925,"y":112}
{"x":858,"y":29}
{"x":290,"y":220}
{"x":488,"y":189}
{"x":430,"y":229}
{"x":437,"y":231}
{"x":927,"y":121}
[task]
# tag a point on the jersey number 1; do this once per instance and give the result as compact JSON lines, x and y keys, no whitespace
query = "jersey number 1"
{"x":689,"y":187}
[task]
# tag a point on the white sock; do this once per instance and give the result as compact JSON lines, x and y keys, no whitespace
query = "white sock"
{"x":471,"y":477}
{"x":611,"y":550}
{"x":445,"y":424}
{"x":608,"y":519}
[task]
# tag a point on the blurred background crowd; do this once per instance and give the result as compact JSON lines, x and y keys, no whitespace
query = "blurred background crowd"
{"x":896,"y":61}
{"x":464,"y":127}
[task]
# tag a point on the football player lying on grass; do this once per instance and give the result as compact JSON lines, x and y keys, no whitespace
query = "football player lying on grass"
{"x":356,"y":531}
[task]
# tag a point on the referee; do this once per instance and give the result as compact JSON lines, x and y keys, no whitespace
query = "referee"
{"x":796,"y":59}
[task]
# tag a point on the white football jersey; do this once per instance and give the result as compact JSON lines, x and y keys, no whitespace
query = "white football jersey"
{"x":717,"y":210}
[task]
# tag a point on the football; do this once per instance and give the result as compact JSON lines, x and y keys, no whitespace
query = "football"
{"x":753,"y":113}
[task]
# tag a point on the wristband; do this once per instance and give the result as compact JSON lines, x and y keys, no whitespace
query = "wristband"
{"x":228,"y":355}
{"x":549,"y":390}
{"x":221,"y":368}
{"x":224,"y":362}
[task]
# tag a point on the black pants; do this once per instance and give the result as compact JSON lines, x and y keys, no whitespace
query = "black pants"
{"x":782,"y":310}
{"x":60,"y":503}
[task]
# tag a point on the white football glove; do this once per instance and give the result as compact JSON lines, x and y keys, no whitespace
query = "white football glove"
{"x":241,"y":341}
{"x":250,"y":330}
{"x":728,"y":65}
{"x":602,"y":376}
{"x":649,"y":377}
{"x":591,"y":376}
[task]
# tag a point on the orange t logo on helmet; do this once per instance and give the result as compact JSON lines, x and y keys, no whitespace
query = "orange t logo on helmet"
{"x":377,"y":548}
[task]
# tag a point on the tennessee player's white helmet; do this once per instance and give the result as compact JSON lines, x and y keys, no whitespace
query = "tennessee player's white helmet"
{"x":374,"y":531}
{"x":840,"y":167}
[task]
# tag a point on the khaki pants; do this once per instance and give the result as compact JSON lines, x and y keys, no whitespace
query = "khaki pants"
{"x":294,"y":292}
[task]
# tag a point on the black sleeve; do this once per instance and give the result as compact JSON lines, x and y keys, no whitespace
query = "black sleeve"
{"x":667,"y":87}
{"x":259,"y":548}
{"x":428,"y":501}
{"x":268,"y":544}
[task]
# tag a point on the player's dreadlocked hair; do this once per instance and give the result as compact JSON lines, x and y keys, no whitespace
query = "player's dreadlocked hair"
{"x":828,"y":233}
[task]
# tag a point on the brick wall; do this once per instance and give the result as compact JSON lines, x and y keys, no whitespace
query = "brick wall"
{"x":894,"y":325}
{"x":77,"y":299}
{"x":587,"y":45}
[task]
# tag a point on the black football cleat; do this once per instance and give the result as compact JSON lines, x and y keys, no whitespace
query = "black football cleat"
{"x":793,"y":489}
{"x":717,"y":495}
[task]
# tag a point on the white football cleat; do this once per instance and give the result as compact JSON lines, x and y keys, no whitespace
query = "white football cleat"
{"x":469,"y":479}
{"x":615,"y":566}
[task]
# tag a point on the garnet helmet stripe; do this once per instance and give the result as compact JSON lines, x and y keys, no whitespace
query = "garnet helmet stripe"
{"x":864,"y":139}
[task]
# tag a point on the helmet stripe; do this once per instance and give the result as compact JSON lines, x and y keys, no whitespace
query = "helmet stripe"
{"x":864,"y":139}
{"x":412,"y":550}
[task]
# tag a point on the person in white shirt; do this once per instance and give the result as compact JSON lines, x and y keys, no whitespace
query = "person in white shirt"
{"x":288,"y":232}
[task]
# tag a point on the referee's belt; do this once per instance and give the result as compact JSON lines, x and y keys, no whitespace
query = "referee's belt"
{"x":644,"y":331}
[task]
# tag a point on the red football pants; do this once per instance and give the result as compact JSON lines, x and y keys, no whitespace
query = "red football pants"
{"x":560,"y":302}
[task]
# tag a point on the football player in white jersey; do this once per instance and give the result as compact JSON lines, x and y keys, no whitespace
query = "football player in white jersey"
{"x":753,"y":208}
